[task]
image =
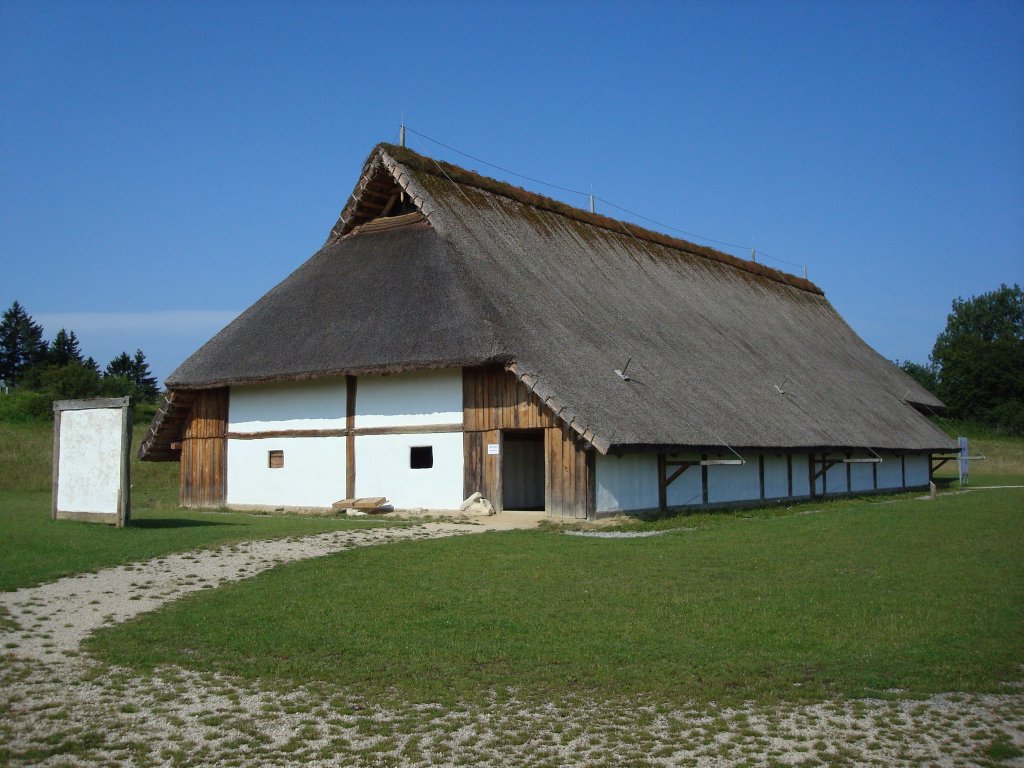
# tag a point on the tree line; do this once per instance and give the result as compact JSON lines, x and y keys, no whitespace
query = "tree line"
{"x":57,"y":369}
{"x":976,"y":366}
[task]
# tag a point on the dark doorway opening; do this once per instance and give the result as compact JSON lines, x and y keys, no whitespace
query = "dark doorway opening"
{"x":522,"y":470}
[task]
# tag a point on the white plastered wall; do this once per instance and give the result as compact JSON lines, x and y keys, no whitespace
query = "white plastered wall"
{"x":734,"y":482}
{"x":890,"y":473}
{"x":383,"y":469}
{"x":917,"y":470}
{"x":861,"y":474}
{"x":295,"y":405}
{"x":383,"y":462}
{"x":313,"y":474}
{"x":801,"y":481}
{"x":836,"y":474}
{"x":628,"y":482}
{"x":409,"y":399}
{"x":776,"y":484}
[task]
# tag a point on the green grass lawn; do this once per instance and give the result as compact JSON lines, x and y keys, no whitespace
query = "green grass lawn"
{"x":858,"y":597}
{"x":34,"y":548}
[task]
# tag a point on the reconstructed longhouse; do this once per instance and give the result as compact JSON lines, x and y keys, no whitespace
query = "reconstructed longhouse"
{"x":457,"y":334}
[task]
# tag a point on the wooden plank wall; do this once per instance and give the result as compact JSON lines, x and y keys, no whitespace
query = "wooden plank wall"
{"x":569,"y":487}
{"x":493,"y":400}
{"x":203,"y":479}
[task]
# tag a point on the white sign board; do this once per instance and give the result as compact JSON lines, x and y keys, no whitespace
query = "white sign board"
{"x":492,"y":449}
{"x":91,"y":444}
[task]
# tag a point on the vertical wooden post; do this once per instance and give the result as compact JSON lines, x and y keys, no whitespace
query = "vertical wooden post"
{"x":704,"y":479}
{"x":56,"y":462}
{"x":350,"y":437}
{"x":849,"y":475}
{"x":662,"y":488}
{"x":812,"y":490}
{"x":903,"y":470}
{"x":124,"y":495}
{"x":591,"y":460}
{"x":760,"y":473}
{"x":874,"y":476}
{"x":789,"y":474}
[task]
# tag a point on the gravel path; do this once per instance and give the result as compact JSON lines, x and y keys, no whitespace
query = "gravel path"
{"x":54,"y":618}
{"x":60,"y":708}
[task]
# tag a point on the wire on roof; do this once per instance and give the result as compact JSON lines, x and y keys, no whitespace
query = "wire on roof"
{"x":589,"y":195}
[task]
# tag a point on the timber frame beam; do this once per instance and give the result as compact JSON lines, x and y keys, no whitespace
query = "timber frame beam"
{"x":665,"y":480}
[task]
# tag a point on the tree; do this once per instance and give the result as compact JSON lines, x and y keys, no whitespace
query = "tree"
{"x":979,"y":358}
{"x":119,"y":366}
{"x":64,"y":349}
{"x":21,"y":343}
{"x":144,"y":378}
{"x":925,"y":375}
{"x":125,"y":375}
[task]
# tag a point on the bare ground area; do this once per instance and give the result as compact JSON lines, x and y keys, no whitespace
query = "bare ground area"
{"x":58,"y":707}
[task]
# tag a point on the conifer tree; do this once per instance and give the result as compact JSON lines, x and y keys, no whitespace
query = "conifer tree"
{"x":21,"y":343}
{"x":64,"y":349}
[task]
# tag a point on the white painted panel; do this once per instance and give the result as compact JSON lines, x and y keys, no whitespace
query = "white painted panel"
{"x":734,"y":482}
{"x":860,"y":475}
{"x":801,"y":482}
{"x":917,"y":470}
{"x":776,"y":481}
{"x":313,"y":474}
{"x":382,"y":469}
{"x":627,"y":482}
{"x":90,"y":460}
{"x":423,"y":397}
{"x":685,"y":490}
{"x":837,"y":475}
{"x":890,"y":473}
{"x":316,"y":404}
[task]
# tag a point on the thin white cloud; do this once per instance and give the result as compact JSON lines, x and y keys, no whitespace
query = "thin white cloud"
{"x":172,"y":321}
{"x":166,"y":337}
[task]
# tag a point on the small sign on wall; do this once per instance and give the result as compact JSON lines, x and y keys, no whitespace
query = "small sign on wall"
{"x":91,"y":444}
{"x":492,"y":449}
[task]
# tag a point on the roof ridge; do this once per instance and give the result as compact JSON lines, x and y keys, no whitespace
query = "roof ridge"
{"x":460,"y":175}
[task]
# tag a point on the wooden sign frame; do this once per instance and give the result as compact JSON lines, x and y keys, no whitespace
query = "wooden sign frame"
{"x":112,"y":469}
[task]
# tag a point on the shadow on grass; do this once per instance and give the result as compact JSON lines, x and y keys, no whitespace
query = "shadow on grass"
{"x":173,"y":522}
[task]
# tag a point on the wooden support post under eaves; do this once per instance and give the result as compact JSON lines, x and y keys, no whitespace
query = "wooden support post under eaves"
{"x":350,"y":438}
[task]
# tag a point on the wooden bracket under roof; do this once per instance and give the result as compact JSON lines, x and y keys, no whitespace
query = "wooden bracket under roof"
{"x":162,"y":441}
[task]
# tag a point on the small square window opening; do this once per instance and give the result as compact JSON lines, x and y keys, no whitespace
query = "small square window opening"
{"x":421,"y":457}
{"x":275,"y":459}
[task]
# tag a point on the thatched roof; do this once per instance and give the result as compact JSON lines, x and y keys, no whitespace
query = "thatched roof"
{"x":562,"y":297}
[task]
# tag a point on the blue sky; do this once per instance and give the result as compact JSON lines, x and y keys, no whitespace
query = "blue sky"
{"x":164,"y":165}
